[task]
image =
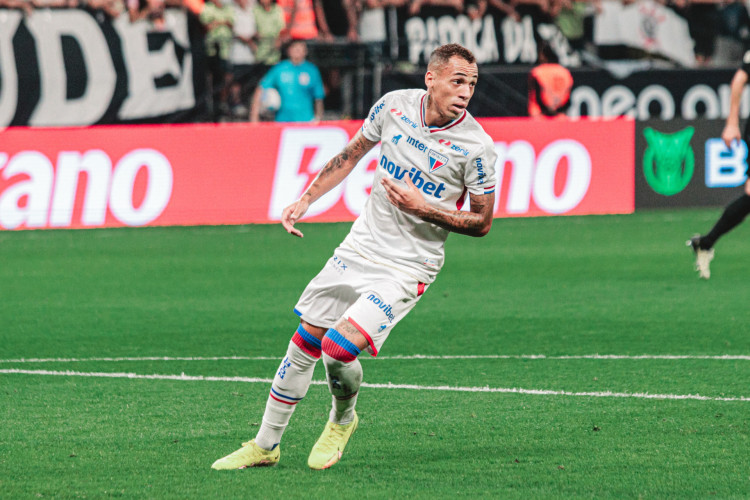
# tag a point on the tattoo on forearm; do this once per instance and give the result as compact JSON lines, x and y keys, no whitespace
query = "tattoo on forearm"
{"x":470,"y":223}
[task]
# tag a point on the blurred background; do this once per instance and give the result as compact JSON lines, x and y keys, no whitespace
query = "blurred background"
{"x":84,"y":62}
{"x":637,"y":94}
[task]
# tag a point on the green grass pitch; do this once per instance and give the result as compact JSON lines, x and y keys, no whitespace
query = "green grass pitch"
{"x":674,"y":423}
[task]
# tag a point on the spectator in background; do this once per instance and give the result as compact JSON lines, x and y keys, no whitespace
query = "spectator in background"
{"x":299,"y":85}
{"x":416,"y":5}
{"x":242,"y":57}
{"x":24,"y":5}
{"x":300,"y":19}
{"x":702,"y":19}
{"x":109,"y":9}
{"x":149,"y":10}
{"x":269,"y":23}
{"x":733,"y":33}
{"x":508,"y":8}
{"x":549,"y":85}
{"x":43,"y":4}
{"x":372,"y":26}
{"x":218,"y":20}
{"x":571,"y":17}
{"x":339,"y":20}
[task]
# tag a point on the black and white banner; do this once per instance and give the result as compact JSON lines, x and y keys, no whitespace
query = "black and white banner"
{"x":494,"y":38}
{"x":68,"y":68}
{"x":646,"y":25}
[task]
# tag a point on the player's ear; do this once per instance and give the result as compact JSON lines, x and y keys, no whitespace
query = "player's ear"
{"x":429,"y":78}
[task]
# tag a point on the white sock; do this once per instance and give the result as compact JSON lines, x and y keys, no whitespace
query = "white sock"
{"x":344,"y":380}
{"x":289,"y":387}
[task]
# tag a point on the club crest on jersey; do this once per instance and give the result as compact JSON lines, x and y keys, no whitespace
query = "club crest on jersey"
{"x":436,"y":160}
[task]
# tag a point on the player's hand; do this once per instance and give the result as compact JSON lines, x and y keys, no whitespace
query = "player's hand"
{"x":292,"y":214}
{"x":731,"y":133}
{"x":406,"y":197}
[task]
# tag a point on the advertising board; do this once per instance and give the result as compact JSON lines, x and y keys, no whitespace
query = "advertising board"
{"x":206,"y":174}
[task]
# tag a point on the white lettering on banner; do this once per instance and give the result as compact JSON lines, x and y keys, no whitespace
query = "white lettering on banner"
{"x":425,"y":35}
{"x":9,"y":84}
{"x":98,"y":168}
{"x":725,"y":167}
{"x":619,"y":100}
{"x":158,"y":188}
{"x":656,"y":93}
{"x":54,"y":108}
{"x":289,"y":182}
{"x":699,"y":101}
{"x":104,"y":187}
{"x":521,"y":156}
{"x":145,"y":66}
{"x":518,"y":40}
{"x":578,"y":178}
{"x":35,"y":191}
{"x":701,"y":94}
{"x":530,"y":178}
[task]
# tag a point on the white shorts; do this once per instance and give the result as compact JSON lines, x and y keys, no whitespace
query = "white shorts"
{"x":372,"y":297}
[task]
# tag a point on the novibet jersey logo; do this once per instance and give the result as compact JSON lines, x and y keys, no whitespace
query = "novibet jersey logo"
{"x":669,"y":161}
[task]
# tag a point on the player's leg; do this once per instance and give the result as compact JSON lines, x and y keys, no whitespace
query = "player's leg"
{"x":732,"y":216}
{"x":341,"y":345}
{"x":290,"y":384}
{"x":385,"y":298}
{"x":289,"y":387}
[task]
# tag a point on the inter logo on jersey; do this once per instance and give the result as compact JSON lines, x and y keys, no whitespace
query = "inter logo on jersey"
{"x":436,"y":160}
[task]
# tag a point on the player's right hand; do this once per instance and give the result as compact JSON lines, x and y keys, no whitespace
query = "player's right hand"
{"x":291,"y":215}
{"x":731,"y":133}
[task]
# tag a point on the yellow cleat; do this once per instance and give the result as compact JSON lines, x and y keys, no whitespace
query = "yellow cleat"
{"x":330,"y":446}
{"x":250,"y":455}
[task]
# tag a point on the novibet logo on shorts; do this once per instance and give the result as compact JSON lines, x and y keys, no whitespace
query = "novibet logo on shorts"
{"x":669,"y":161}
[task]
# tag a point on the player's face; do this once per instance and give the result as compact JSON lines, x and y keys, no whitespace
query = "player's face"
{"x":451,"y":87}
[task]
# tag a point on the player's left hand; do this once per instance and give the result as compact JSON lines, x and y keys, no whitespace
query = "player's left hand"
{"x":292,"y":214}
{"x":404,"y":196}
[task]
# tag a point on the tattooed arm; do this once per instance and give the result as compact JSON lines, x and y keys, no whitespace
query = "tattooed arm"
{"x":477,"y":222}
{"x":329,"y":177}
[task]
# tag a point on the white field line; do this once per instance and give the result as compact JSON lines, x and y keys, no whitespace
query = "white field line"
{"x":514,"y":390}
{"x":723,"y":357}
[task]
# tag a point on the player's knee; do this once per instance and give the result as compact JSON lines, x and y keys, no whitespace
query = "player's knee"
{"x":307,"y":342}
{"x":338,"y":347}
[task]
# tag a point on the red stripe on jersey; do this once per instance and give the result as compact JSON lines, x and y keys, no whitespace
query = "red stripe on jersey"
{"x":461,"y":200}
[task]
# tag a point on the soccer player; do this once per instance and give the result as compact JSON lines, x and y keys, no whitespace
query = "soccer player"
{"x":432,"y":153}
{"x":737,"y":210}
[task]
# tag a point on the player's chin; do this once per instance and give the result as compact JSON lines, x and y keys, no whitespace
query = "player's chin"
{"x":456,"y":111}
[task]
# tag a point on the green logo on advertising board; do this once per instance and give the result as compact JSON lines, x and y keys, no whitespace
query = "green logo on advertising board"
{"x":668,"y":162}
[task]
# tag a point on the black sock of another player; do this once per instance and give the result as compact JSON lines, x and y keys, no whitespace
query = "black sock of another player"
{"x":732,"y":216}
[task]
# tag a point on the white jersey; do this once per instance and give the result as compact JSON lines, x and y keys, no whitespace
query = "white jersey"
{"x":443,"y":163}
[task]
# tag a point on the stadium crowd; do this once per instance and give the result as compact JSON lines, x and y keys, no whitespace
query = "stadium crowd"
{"x":245,"y":38}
